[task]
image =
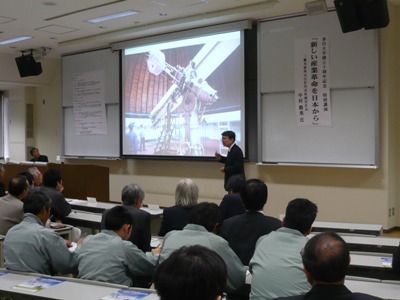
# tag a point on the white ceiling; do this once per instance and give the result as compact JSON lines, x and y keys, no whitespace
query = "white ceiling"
{"x":60,"y":24}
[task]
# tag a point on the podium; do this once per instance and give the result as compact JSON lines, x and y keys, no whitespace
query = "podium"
{"x":80,"y":181}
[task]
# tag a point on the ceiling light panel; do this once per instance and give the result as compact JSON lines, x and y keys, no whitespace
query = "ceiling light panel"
{"x":15,"y":40}
{"x":179,"y":3}
{"x":56,"y":29}
{"x":118,"y":15}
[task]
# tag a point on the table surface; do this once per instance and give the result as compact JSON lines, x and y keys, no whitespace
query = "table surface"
{"x":99,"y":207}
{"x":70,"y":289}
{"x":350,"y":226}
{"x":376,"y":288}
{"x":371,"y":260}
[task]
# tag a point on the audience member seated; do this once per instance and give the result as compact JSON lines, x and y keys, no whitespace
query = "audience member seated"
{"x":203,"y":223}
{"x":109,"y":257}
{"x":177,"y":216}
{"x":132,"y":197}
{"x":31,"y":247}
{"x":11,"y":206}
{"x":2,"y":186}
{"x":36,"y":156}
{"x":37,"y":177}
{"x":232,"y":204}
{"x":193,"y":272}
{"x":53,"y":186}
{"x":276,"y":267}
{"x":326,"y":258}
{"x":242,"y":231}
{"x":29,"y":177}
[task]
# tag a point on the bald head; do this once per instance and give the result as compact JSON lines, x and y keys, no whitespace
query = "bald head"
{"x":326,"y":257}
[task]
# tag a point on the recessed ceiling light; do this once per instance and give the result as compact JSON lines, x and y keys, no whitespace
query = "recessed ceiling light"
{"x":14,"y":40}
{"x":163,"y":14}
{"x":113,"y":16}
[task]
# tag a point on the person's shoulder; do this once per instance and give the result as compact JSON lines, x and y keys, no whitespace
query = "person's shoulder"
{"x":362,"y":296}
{"x":234,"y":219}
{"x":174,"y":209}
{"x":49,"y":233}
{"x":265,"y":238}
{"x":273,"y":221}
{"x":44,"y":158}
{"x":236,"y":147}
{"x":137,"y":212}
{"x":214,"y":238}
{"x":233,"y":197}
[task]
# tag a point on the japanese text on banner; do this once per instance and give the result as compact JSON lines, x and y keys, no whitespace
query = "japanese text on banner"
{"x":312,"y":89}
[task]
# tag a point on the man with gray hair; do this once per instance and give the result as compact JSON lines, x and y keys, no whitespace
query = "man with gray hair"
{"x":37,"y":177}
{"x":132,"y":197}
{"x":176,"y":217}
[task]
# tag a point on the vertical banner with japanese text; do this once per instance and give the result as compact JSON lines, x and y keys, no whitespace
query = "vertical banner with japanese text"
{"x":312,"y":89}
{"x":89,"y":103}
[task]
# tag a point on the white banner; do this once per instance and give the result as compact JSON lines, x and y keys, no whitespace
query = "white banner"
{"x":89,"y":103}
{"x":312,"y":89}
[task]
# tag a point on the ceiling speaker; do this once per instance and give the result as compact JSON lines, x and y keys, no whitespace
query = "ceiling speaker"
{"x":349,"y":15}
{"x":27,"y":66}
{"x":356,"y":14}
{"x":375,"y":13}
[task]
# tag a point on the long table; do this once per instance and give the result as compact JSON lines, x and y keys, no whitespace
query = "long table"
{"x":372,"y":244}
{"x":378,"y":244}
{"x":68,"y":289}
{"x":384,"y":290}
{"x":352,"y":228}
{"x":100,"y":207}
{"x":84,"y":219}
{"x":346,"y":227}
{"x":82,"y":206}
{"x":372,"y":265}
{"x":375,"y":287}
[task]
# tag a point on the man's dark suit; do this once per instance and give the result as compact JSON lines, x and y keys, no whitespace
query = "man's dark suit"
{"x":330,"y":292}
{"x":141,"y":235}
{"x":231,"y":205}
{"x":42,"y":158}
{"x":60,"y":208}
{"x":243,"y":231}
{"x":234,"y":163}
{"x":174,"y":218}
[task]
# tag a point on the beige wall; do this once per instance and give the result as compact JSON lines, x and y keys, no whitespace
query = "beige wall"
{"x":342,"y":194}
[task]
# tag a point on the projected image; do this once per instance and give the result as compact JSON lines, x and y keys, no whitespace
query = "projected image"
{"x":180,"y":96}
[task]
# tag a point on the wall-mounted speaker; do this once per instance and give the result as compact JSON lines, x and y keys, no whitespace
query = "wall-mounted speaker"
{"x":356,"y":14}
{"x":27,"y":66}
{"x":375,"y":13}
{"x":349,"y":15}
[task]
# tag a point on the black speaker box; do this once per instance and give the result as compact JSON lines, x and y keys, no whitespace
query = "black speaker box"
{"x":349,"y":15}
{"x":356,"y":14}
{"x":375,"y":13}
{"x":27,"y":66}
